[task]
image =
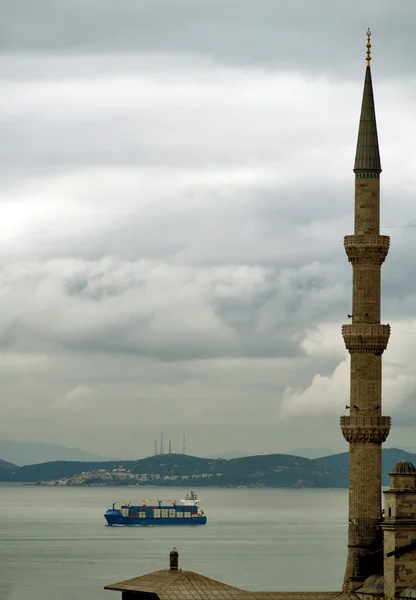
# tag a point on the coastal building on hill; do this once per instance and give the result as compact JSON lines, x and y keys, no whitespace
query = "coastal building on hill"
{"x":381,"y":560}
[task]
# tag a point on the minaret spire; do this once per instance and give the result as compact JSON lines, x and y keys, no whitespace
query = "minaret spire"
{"x":366,"y":339}
{"x":367,"y":156}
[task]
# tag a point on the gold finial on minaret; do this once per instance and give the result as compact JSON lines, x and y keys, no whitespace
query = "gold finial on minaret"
{"x":368,"y":47}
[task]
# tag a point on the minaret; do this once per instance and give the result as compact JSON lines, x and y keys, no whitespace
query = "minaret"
{"x":366,"y":339}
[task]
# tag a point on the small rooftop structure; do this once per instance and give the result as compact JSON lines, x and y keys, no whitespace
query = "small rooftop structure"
{"x":403,"y":476}
{"x":404,"y":467}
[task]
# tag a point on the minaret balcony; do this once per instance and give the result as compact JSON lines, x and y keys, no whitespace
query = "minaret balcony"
{"x":366,"y":338}
{"x":365,"y":429}
{"x":366,"y":249}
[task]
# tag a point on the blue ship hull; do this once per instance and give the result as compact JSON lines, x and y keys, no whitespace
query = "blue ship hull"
{"x":119,"y":520}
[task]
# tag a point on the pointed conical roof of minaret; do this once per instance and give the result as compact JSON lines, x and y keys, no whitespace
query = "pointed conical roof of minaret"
{"x":367,"y":156}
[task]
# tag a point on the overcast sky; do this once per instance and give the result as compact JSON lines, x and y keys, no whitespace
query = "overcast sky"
{"x":175,"y":184}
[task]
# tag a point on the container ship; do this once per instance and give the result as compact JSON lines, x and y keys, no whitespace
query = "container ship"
{"x":157,"y":512}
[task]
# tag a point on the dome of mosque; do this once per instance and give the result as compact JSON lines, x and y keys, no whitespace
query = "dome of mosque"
{"x":404,"y":467}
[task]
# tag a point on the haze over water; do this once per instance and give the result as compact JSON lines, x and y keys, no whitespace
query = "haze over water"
{"x":54,"y":543}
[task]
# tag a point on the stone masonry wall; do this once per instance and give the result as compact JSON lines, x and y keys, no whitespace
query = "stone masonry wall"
{"x":400,"y":570}
{"x":367,"y":202}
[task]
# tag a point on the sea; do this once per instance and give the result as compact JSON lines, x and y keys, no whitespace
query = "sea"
{"x":55,"y":545}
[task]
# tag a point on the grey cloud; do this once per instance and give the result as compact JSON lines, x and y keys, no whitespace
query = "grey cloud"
{"x":121,"y":308}
{"x":288,"y":33}
{"x":175,"y":186}
{"x":201,"y":396}
{"x":132,"y":308}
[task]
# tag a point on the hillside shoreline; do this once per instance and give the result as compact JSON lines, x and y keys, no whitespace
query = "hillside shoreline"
{"x":272,"y":470}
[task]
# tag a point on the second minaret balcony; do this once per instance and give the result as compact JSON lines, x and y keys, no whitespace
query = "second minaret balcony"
{"x":366,"y":249}
{"x":365,"y":429}
{"x":366,"y":338}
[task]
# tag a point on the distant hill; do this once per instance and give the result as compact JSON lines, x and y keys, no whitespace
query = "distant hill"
{"x":311,"y":452}
{"x":7,"y":465}
{"x":390,"y":456}
{"x":303,"y":452}
{"x":270,"y":470}
{"x":24,"y":453}
{"x":273,"y":470}
{"x":55,"y":470}
{"x":228,"y":455}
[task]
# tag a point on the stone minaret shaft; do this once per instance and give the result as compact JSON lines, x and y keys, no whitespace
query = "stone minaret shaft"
{"x":366,"y":339}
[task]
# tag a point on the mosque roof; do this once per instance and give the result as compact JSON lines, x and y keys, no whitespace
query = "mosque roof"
{"x":175,"y":584}
{"x":292,"y":595}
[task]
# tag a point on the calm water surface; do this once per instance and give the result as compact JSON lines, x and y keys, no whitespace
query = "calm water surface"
{"x":54,"y":543}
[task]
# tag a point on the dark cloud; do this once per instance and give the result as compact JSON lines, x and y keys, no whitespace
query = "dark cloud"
{"x":208,"y":313}
{"x":292,"y":34}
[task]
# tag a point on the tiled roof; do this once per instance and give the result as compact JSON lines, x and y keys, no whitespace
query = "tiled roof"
{"x":177,"y":585}
{"x":294,"y":595}
{"x":186,"y":585}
